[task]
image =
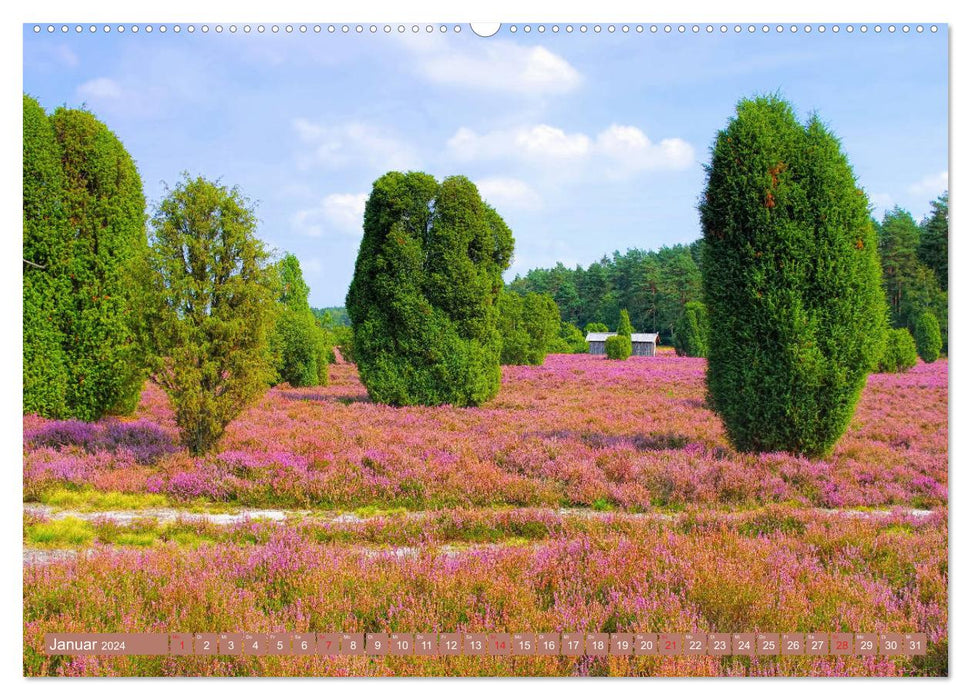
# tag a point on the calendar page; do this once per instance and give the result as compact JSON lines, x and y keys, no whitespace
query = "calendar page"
{"x":515,"y":349}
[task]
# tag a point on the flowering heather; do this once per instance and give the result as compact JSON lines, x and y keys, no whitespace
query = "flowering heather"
{"x":779,"y":570}
{"x":146,"y":442}
{"x":470,"y":524}
{"x":576,"y":431}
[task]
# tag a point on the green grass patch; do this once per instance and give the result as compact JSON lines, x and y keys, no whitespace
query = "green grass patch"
{"x":135,"y":539}
{"x":375,"y":512}
{"x":70,"y":532}
{"x":87,"y":499}
{"x":187,"y":539}
{"x":602,"y":505}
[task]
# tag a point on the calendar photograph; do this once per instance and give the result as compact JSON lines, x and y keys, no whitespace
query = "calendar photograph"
{"x":485,"y":350}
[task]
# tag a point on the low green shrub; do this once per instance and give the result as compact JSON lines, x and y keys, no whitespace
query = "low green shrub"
{"x":900,"y":353}
{"x":618,"y":347}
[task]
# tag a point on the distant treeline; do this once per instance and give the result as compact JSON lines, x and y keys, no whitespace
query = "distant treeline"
{"x":915,"y":271}
{"x":653,"y":286}
{"x":332,"y":316}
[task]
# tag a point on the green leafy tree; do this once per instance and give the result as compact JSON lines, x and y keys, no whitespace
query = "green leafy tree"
{"x":596,"y":328}
{"x":541,"y":316}
{"x":424,"y":298}
{"x":100,"y":318}
{"x":791,"y":280}
{"x":624,"y":326}
{"x":515,"y":338}
{"x":298,"y":342}
{"x":932,"y":248}
{"x":899,"y":236}
{"x":618,"y":347}
{"x":922,"y":294}
{"x":900,"y":352}
{"x":691,"y":333}
{"x":569,"y":340}
{"x":528,"y":326}
{"x":927,"y":337}
{"x":911,"y":286}
{"x":211,"y":308}
{"x":46,"y":285}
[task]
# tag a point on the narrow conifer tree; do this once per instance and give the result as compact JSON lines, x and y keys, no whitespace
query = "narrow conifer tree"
{"x":424,"y":298}
{"x":791,"y":280}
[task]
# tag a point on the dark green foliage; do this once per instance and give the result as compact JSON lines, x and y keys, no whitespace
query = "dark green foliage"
{"x":618,"y":347}
{"x":84,"y":244}
{"x":569,"y":340}
{"x":911,"y":286}
{"x":691,"y":333}
{"x":423,"y":300}
{"x":528,"y":325}
{"x":624,"y":326}
{"x":932,"y":249}
{"x":594,"y":327}
{"x":211,"y":308}
{"x":46,"y":286}
{"x":898,"y":239}
{"x":653,"y":286}
{"x":927,"y":337}
{"x":515,"y":339}
{"x":900,"y":353}
{"x":791,"y":282}
{"x":298,"y":342}
{"x":542,"y":320}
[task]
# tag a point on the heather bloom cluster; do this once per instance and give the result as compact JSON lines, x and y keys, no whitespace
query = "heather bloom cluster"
{"x":587,"y":496}
{"x":772,"y":571}
{"x":577,"y":431}
{"x":146,"y":442}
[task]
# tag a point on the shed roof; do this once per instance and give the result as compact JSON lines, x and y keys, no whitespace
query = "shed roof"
{"x":635,"y":337}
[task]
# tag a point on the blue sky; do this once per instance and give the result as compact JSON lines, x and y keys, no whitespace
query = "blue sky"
{"x":585,"y":144}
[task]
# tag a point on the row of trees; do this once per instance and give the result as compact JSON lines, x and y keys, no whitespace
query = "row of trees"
{"x":653,"y":286}
{"x":193,"y":301}
{"x":793,"y":290}
{"x":663,"y":288}
{"x":913,"y":258}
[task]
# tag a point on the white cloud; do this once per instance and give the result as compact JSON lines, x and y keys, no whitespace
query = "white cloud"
{"x":541,"y":142}
{"x":500,"y":66}
{"x":507,"y":192}
{"x":630,"y":148}
{"x":352,"y":143}
{"x":338,"y":213}
{"x":931,"y":185}
{"x":619,"y":148}
{"x":100,"y":89}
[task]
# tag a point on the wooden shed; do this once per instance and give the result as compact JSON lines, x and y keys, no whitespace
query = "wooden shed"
{"x":643,"y":344}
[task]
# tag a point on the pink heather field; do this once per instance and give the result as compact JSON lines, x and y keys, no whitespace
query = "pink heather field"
{"x":589,"y":496}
